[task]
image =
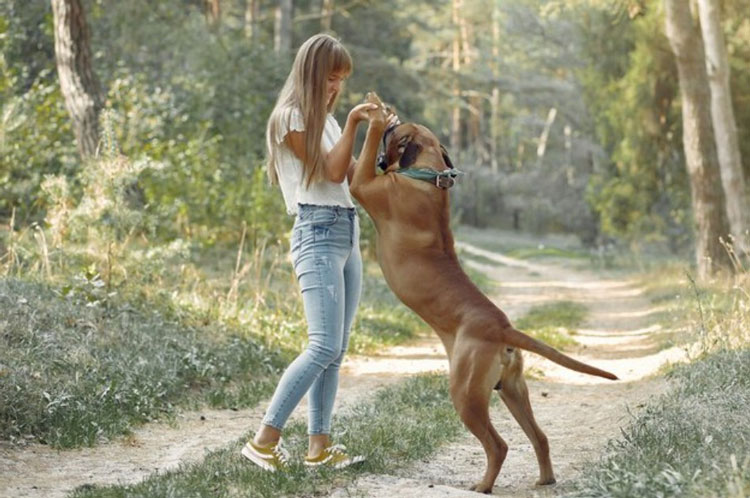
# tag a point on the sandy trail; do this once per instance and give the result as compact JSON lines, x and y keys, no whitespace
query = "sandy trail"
{"x":577,"y":412}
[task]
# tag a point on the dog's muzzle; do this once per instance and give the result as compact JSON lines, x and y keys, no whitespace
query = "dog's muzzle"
{"x":382,"y":161}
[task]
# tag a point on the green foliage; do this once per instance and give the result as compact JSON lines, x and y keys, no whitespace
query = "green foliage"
{"x":36,"y":140}
{"x":642,"y":195}
{"x":194,"y":98}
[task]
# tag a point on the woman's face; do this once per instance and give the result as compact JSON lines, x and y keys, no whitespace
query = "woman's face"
{"x":333,"y":85}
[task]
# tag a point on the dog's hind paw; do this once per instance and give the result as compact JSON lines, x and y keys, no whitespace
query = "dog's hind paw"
{"x":480,"y":487}
{"x":546,"y":482}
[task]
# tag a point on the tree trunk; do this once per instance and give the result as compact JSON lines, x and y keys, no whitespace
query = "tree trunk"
{"x":495,"y":100}
{"x":283,"y":29}
{"x":326,"y":15}
{"x":494,"y":129}
{"x":456,"y":112}
{"x":698,"y":138}
{"x":542,"y":146}
{"x":78,"y":83}
{"x":252,"y":13}
{"x":722,"y":114}
{"x":213,"y":13}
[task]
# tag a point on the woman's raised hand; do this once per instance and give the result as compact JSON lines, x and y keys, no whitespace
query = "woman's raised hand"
{"x":362,"y":112}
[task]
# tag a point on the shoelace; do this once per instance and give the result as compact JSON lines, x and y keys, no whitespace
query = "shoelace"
{"x":337,"y":448}
{"x":281,"y":453}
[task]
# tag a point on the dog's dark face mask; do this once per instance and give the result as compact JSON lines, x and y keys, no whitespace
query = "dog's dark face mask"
{"x":403,"y":143}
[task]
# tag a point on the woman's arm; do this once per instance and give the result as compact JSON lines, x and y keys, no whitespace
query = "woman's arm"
{"x":339,"y":160}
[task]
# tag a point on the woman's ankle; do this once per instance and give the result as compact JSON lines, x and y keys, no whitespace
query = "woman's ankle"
{"x":318,"y":442}
{"x":267,"y":436}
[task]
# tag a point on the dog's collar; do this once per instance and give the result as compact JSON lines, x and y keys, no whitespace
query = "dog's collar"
{"x":441,"y":179}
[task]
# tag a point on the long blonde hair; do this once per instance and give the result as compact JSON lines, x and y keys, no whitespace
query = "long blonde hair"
{"x":305,"y":89}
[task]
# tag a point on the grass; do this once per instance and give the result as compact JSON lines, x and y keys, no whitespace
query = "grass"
{"x":402,"y":424}
{"x":542,"y":251}
{"x":554,"y":323}
{"x":524,"y":246}
{"x":72,"y":375}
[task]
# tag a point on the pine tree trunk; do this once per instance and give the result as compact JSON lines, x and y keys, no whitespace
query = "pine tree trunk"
{"x":495,"y":100}
{"x":456,"y":113}
{"x":213,"y":13}
{"x":722,"y":114}
{"x":283,"y":31}
{"x":78,"y":83}
{"x":326,"y":15}
{"x":494,"y":129}
{"x":698,"y":138}
{"x":252,"y":13}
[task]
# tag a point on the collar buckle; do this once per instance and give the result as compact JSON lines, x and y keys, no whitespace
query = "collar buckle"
{"x":444,"y":181}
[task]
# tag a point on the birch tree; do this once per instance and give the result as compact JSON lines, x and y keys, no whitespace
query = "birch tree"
{"x":252,"y":13}
{"x":283,"y":28}
{"x":722,"y":115}
{"x":698,"y":138}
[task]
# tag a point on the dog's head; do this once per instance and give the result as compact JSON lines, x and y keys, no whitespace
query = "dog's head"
{"x":406,"y":143}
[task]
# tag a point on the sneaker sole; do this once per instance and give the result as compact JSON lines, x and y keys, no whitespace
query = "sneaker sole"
{"x":338,"y":466}
{"x":353,"y":461}
{"x":247,"y":452}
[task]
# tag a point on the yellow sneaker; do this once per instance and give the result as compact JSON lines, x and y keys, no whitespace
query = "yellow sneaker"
{"x":272,"y":458}
{"x":334,"y":456}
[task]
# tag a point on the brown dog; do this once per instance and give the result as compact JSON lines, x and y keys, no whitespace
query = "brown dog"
{"x":415,"y":251}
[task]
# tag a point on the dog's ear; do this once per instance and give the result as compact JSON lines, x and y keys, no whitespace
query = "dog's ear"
{"x":410,"y":154}
{"x":446,"y":158}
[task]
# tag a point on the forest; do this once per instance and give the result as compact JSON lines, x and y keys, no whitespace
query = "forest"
{"x":144,"y":268}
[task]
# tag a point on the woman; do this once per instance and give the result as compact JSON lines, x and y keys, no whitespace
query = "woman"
{"x":310,"y":157}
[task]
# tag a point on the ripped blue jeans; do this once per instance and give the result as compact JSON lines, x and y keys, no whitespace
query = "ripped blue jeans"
{"x":327,"y":262}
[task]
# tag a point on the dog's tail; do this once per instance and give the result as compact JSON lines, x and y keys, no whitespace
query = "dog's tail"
{"x":520,"y":340}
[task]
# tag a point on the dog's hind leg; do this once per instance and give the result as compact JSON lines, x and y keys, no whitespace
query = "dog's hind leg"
{"x":515,"y":394}
{"x":471,"y":397}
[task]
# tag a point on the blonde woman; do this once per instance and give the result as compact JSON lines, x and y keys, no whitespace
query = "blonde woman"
{"x":310,"y":157}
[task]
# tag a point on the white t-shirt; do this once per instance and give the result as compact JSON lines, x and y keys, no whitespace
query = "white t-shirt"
{"x":290,"y":168}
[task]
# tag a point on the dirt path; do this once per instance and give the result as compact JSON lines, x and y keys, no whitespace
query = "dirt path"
{"x":578,"y":413}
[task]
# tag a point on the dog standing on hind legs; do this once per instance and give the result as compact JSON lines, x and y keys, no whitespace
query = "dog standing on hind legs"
{"x":409,"y":207}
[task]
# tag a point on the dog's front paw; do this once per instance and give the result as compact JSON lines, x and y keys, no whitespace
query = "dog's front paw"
{"x":372,"y":98}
